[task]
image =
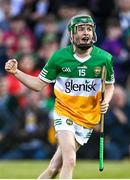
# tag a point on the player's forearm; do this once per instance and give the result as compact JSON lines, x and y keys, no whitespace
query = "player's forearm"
{"x":31,"y":82}
{"x":109,"y":89}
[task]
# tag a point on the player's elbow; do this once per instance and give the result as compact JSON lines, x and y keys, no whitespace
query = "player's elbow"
{"x":38,"y":88}
{"x":39,"y":85}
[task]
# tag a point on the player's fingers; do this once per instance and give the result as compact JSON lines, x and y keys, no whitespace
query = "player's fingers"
{"x":104,"y":105}
{"x":104,"y":109}
{"x":8,"y":65}
{"x":12,"y":60}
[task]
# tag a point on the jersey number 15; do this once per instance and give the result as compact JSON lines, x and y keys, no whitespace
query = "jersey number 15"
{"x":82,"y":72}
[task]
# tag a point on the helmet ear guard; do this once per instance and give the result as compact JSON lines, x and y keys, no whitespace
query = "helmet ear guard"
{"x":81,"y":19}
{"x":94,"y":36}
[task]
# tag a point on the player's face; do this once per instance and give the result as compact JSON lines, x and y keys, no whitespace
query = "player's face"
{"x":83,"y":36}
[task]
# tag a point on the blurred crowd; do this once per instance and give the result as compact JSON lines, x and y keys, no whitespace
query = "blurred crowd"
{"x":30,"y":31}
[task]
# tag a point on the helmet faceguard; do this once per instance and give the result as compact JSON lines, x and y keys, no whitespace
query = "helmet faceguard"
{"x":79,"y":20}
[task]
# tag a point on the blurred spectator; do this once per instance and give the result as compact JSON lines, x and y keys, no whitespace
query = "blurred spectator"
{"x":113,"y":43}
{"x":65,"y":12}
{"x":8,"y":108}
{"x":34,"y":10}
{"x":16,"y":7}
{"x":46,"y":25}
{"x":17,"y":29}
{"x":5,"y":14}
{"x":117,"y":126}
{"x":26,"y":48}
{"x":101,"y":10}
{"x":128,"y":89}
{"x":3,"y":52}
{"x":41,"y":9}
{"x":31,"y":130}
{"x":27,"y":65}
{"x":28,"y":8}
{"x":123,"y":13}
{"x":49,"y":44}
{"x":126,"y":44}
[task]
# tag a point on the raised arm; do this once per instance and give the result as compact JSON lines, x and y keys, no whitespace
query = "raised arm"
{"x":31,"y":82}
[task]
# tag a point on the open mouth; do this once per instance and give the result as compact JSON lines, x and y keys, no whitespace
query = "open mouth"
{"x":85,"y":39}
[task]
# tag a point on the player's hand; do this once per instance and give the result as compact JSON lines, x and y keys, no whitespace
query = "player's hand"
{"x":11,"y":66}
{"x":104,"y":107}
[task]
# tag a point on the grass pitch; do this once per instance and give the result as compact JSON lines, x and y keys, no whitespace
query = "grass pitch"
{"x":84,"y":169}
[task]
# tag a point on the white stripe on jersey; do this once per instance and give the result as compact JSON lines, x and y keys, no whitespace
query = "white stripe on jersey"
{"x":45,"y":79}
{"x":43,"y":73}
{"x":45,"y":70}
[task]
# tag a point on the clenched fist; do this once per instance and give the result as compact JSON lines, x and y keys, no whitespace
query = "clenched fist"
{"x":11,"y":66}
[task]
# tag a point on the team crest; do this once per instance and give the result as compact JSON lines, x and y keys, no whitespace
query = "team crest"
{"x":69,"y":122}
{"x":97,"y":70}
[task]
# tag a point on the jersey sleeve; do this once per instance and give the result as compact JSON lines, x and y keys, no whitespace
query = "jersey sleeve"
{"x":110,"y":78}
{"x":50,"y":70}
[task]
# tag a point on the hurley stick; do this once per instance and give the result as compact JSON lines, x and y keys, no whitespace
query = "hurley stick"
{"x":101,"y":147}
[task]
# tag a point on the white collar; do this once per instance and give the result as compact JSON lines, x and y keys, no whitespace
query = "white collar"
{"x":82,"y":59}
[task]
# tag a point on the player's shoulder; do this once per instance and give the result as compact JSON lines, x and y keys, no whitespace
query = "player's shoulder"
{"x":63,"y":51}
{"x":102,"y":53}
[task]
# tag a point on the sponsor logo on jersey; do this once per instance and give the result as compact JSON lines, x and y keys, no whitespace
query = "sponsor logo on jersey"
{"x":69,"y":122}
{"x":82,"y":67}
{"x":86,"y":86}
{"x":66,"y":69}
{"x":97,"y":70}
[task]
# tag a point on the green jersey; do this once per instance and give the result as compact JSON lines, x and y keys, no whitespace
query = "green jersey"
{"x":78,"y":83}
